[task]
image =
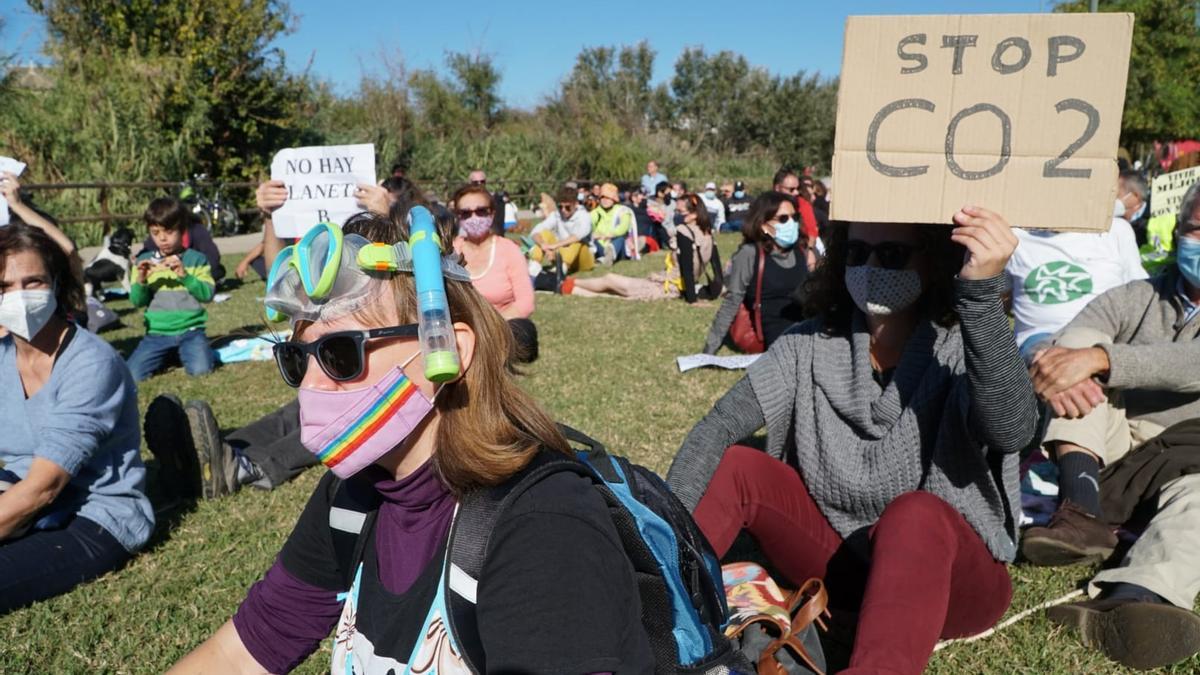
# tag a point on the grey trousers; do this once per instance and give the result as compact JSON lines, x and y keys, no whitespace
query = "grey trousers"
{"x":1166,"y":558}
{"x":272,"y":442}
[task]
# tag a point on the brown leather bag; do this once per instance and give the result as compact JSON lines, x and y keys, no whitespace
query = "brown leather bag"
{"x":746,"y":332}
{"x":807,"y":606}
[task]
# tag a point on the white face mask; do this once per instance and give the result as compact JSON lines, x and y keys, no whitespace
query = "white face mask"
{"x":881,"y":292}
{"x":25,"y":313}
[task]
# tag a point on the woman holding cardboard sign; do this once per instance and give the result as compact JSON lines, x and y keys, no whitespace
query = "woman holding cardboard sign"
{"x":900,"y":408}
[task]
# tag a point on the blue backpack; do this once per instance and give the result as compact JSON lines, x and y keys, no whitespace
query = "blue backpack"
{"x":679,"y":578}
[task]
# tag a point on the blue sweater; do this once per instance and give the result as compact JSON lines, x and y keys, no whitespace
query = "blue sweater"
{"x":84,"y":419}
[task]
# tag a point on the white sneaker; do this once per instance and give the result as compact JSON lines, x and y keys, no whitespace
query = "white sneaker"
{"x":610,"y":254}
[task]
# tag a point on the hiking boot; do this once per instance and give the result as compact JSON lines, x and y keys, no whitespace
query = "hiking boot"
{"x":1136,"y":634}
{"x":1071,"y":537}
{"x":167,"y":435}
{"x":218,"y":467}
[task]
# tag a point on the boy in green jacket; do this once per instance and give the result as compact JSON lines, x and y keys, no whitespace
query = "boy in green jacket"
{"x":171,"y":283}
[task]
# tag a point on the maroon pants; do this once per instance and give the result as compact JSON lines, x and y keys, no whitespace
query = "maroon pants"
{"x":929,"y":575}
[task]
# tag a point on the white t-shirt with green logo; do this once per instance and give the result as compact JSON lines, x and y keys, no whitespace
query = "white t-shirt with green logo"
{"x":1056,"y":274}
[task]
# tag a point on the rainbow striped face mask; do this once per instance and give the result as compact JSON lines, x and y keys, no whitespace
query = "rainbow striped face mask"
{"x":351,"y":429}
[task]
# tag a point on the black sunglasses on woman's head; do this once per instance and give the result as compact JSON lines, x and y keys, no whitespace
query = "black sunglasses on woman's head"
{"x":341,"y":355}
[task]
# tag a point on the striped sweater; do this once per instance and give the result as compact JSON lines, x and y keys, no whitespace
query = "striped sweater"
{"x":173,"y":303}
{"x":951,"y":420}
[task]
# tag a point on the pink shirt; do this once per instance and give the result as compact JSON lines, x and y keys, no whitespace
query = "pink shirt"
{"x":501,"y":275}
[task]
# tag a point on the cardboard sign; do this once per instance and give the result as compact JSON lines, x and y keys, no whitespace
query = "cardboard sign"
{"x":1016,"y":113}
{"x":320,"y":182}
{"x":10,"y":165}
{"x":1166,"y":195}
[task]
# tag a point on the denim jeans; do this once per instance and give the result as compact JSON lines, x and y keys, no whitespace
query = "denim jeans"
{"x":153,"y":350}
{"x":46,"y":563}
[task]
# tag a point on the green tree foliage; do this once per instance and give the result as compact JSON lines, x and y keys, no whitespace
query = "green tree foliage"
{"x":1162,"y":97}
{"x":478,"y":80}
{"x":720,"y":103}
{"x":219,"y":57}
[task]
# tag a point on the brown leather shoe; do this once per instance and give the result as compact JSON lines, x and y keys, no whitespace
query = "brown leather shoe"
{"x":1140,"y":635}
{"x":1073,"y":536}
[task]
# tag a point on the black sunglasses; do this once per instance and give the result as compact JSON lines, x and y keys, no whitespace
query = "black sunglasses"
{"x":892,"y":255}
{"x":342,"y":355}
{"x":479,"y":182}
{"x":483,"y":212}
{"x":781,"y":219}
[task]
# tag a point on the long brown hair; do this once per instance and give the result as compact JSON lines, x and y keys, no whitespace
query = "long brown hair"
{"x":825,"y":293}
{"x":490,"y":428}
{"x":763,"y":208}
{"x":696,"y":205}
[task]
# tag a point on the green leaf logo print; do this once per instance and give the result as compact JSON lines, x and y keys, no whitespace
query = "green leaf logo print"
{"x":1058,"y":282}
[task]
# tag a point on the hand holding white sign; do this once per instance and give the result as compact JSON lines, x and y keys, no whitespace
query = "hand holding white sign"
{"x":9,"y":170}
{"x":320,"y":183}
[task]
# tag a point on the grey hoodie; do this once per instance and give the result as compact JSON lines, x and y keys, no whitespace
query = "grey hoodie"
{"x":1154,"y":356}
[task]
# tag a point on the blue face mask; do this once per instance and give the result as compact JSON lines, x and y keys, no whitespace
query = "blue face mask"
{"x":709,"y":194}
{"x":739,"y":194}
{"x":787,"y":234}
{"x":1187,"y":257}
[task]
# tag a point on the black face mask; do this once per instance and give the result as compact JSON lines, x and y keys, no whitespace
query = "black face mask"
{"x":666,"y":199}
{"x":680,"y":219}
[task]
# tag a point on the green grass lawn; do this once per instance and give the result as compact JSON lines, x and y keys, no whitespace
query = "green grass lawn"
{"x":606,"y":367}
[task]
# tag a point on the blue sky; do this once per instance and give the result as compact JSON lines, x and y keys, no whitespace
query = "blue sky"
{"x":534,"y":43}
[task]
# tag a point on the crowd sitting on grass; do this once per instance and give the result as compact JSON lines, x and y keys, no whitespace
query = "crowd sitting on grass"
{"x":897,"y":399}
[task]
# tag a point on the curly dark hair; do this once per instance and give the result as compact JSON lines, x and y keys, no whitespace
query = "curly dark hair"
{"x":826,"y":296}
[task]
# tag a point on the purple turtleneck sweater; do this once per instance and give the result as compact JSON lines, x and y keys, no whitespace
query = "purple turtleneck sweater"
{"x":283,"y":619}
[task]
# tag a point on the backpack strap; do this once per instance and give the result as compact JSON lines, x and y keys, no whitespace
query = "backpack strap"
{"x":478,"y":513}
{"x":758,"y":299}
{"x":352,"y":513}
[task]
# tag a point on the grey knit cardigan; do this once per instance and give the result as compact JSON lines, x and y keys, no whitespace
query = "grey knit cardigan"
{"x":951,"y":421}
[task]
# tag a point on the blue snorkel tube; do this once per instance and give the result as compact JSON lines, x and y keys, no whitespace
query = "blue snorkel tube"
{"x":435,"y":330}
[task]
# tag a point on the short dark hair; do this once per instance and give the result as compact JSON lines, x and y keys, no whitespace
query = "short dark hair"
{"x":1136,"y":183}
{"x":567,"y":194}
{"x":400,"y":187}
{"x":68,"y":289}
{"x":168,"y":213}
{"x":661,"y":187}
{"x":781,"y":174}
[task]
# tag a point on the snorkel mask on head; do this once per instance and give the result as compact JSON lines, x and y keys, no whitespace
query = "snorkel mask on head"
{"x":329,"y":275}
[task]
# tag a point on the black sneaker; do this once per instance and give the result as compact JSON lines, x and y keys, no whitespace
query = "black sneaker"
{"x":170,"y":441}
{"x":218,"y":469}
{"x":1136,"y":634}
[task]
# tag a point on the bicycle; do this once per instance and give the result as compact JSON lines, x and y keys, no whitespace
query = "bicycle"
{"x":217,"y":212}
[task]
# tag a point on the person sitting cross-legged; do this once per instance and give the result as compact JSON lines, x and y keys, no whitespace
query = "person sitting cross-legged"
{"x":562,"y":238}
{"x":1126,"y":368}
